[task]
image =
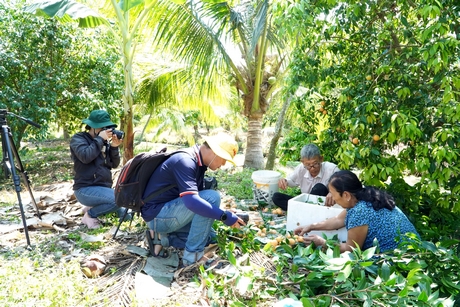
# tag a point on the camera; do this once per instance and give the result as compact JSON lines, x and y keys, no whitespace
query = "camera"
{"x":120,"y":134}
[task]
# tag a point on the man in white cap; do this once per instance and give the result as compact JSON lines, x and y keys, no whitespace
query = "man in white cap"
{"x":185,"y":213}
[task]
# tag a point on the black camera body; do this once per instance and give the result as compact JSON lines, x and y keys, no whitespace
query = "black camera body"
{"x":120,"y":134}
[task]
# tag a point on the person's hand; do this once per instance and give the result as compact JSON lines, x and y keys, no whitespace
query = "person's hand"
{"x":105,"y":134}
{"x":115,"y":142}
{"x":319,"y":241}
{"x":301,"y":230}
{"x":239,"y":222}
{"x":329,"y":200}
{"x":282,"y":183}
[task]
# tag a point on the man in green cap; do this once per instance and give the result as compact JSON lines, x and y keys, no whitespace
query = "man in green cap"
{"x":94,"y":153}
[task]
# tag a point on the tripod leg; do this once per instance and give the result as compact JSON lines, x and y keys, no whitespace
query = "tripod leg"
{"x":24,"y":175}
{"x":12,"y":168}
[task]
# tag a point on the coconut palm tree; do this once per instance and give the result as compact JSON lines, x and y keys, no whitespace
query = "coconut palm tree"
{"x":168,"y":89}
{"x":201,"y":33}
{"x":206,"y":34}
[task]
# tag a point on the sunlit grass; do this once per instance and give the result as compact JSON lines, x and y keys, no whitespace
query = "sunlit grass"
{"x":32,"y":279}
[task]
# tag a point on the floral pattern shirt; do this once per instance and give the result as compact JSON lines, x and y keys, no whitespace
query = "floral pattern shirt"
{"x":387,"y":226}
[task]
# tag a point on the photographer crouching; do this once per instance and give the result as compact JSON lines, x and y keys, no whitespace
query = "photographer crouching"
{"x":94,"y":153}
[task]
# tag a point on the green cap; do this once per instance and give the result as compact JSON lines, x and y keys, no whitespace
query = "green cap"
{"x":99,"y":119}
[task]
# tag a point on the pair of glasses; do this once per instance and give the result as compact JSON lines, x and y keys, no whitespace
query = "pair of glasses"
{"x":314,"y":165}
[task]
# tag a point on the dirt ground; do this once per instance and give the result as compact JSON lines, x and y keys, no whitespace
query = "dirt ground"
{"x":61,"y":217}
{"x":127,"y":254}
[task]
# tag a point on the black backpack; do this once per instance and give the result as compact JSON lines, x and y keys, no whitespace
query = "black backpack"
{"x":134,"y":177}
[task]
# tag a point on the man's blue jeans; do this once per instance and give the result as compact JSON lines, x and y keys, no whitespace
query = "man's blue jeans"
{"x":100,"y":199}
{"x":175,"y":219}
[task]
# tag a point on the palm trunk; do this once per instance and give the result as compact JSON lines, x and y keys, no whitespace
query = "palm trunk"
{"x":274,"y":141}
{"x":254,"y":156}
{"x":127,"y":118}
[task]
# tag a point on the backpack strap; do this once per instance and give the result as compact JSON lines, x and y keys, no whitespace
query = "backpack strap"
{"x":155,"y":194}
{"x":166,"y":188}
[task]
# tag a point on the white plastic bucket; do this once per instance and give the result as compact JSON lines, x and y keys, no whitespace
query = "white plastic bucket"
{"x":265,"y":184}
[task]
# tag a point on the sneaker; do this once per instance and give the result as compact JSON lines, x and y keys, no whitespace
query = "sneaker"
{"x":91,"y":223}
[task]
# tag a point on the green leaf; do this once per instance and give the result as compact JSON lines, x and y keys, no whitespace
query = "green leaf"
{"x":404,"y":21}
{"x":231,"y":257}
{"x":68,"y":10}
{"x":126,"y":5}
{"x":423,"y":296}
{"x":391,"y":137}
{"x":306,"y":302}
{"x":369,"y":253}
{"x":385,"y":272}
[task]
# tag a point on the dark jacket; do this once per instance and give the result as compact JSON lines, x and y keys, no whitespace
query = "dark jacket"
{"x":90,"y":166}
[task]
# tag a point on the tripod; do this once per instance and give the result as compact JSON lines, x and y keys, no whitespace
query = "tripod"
{"x":12,"y":164}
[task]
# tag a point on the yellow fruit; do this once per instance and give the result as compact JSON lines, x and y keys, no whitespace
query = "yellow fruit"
{"x":274,"y":243}
{"x":323,"y":103}
{"x":291,"y":241}
{"x":324,"y":112}
{"x":279,"y":239}
{"x":376,"y":138}
{"x":299,"y":239}
{"x":355,"y":141}
{"x":368,"y":77}
{"x":321,"y":109}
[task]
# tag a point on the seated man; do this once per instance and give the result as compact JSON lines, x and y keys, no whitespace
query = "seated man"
{"x":312,"y":176}
{"x":187,"y":208}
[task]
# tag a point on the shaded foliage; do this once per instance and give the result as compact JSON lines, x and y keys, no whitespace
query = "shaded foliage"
{"x":53,"y":74}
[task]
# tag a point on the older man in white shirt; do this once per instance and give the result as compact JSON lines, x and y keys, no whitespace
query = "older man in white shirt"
{"x":311,"y":175}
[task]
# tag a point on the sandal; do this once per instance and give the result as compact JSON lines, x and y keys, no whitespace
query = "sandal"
{"x":155,"y":241}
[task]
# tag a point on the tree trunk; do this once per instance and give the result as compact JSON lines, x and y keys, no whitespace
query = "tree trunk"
{"x":128,"y":143}
{"x":274,"y":141}
{"x":128,"y":102}
{"x":254,"y":156}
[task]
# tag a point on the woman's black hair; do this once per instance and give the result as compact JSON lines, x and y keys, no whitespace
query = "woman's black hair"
{"x":348,"y":181}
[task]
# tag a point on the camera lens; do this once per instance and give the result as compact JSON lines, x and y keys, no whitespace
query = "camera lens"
{"x":120,"y":134}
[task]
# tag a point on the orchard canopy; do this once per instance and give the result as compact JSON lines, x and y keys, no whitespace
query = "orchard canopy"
{"x":383,"y":89}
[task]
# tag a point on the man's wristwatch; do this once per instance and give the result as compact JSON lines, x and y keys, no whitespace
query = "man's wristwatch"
{"x":223,"y":217}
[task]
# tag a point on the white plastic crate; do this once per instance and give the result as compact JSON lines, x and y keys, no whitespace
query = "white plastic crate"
{"x":307,"y":209}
